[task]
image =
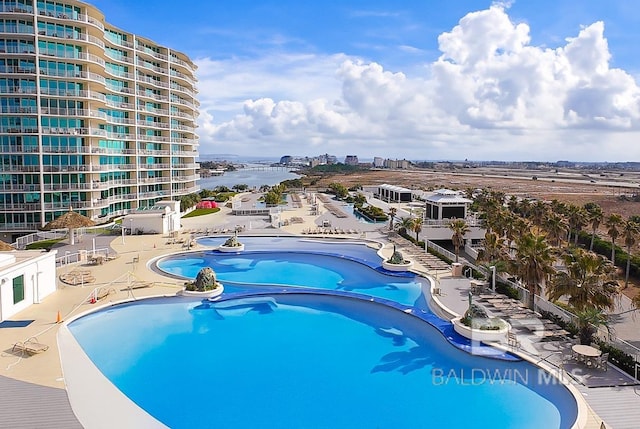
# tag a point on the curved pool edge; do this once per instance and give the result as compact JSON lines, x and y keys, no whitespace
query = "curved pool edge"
{"x":581,"y":404}
{"x":96,"y":401}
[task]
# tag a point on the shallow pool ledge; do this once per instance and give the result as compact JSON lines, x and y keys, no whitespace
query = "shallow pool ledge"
{"x":96,"y":402}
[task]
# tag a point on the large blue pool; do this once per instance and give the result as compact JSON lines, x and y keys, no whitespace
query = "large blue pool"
{"x":303,"y":359}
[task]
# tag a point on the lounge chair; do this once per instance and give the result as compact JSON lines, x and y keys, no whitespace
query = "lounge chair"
{"x":30,"y":346}
{"x":601,"y":362}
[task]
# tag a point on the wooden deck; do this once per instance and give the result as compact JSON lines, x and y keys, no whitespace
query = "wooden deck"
{"x":26,"y":406}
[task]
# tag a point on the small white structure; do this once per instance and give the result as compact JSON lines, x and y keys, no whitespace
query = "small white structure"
{"x":393,"y":194}
{"x":446,"y":204}
{"x":163,"y":218}
{"x":26,"y":277}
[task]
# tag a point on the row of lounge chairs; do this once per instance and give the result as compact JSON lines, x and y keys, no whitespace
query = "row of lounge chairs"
{"x":296,"y":201}
{"x":208,"y":231}
{"x":334,"y":210}
{"x":325,"y":231}
{"x":521,"y":317}
{"x":431,"y":262}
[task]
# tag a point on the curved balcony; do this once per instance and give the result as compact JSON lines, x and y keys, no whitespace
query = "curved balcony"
{"x":184,"y":102}
{"x":17,"y":29}
{"x":18,"y":130}
{"x":154,"y":82}
{"x":119,"y":58}
{"x":184,"y":166}
{"x":184,"y":78}
{"x":120,"y":75}
{"x":65,"y":205}
{"x":153,"y":180}
{"x":152,"y":96}
{"x":118,"y":43}
{"x":147,"y":65}
{"x":120,"y":121}
{"x":183,"y":90}
{"x":29,"y":110}
{"x":151,"y":124}
{"x":72,"y":17}
{"x":87,"y":113}
{"x":19,"y":9}
{"x":78,"y":56}
{"x":82,"y":37}
{"x":164,"y":112}
{"x":8,"y":187}
{"x":153,"y":54}
{"x":154,"y":152}
{"x":17,"y":70}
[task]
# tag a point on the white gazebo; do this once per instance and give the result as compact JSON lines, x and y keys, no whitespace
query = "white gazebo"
{"x":446,"y":204}
{"x":393,"y":194}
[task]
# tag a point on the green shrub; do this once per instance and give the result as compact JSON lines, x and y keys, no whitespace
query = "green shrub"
{"x":506,"y":289}
{"x":44,"y":244}
{"x":619,"y":358}
{"x":200,"y":212}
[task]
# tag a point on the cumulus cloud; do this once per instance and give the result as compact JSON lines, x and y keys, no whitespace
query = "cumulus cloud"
{"x":490,"y":94}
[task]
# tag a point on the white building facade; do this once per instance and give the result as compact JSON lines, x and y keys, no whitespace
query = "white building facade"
{"x":26,"y":277}
{"x":92,"y":117}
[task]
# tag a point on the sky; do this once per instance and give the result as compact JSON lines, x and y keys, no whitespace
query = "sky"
{"x":524,"y":80}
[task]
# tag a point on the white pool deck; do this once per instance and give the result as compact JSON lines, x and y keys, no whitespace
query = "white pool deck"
{"x":125,"y":279}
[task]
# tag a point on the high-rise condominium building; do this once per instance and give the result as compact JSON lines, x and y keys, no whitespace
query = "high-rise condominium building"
{"x":92,"y":117}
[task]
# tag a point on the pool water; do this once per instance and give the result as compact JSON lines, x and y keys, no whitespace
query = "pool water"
{"x":298,"y":269}
{"x":301,"y":339}
{"x":308,"y":361}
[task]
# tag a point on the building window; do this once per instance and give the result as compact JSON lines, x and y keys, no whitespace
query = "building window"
{"x":18,"y":289}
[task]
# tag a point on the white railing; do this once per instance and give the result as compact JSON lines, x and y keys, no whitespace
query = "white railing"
{"x":22,"y":242}
{"x":441,"y":250}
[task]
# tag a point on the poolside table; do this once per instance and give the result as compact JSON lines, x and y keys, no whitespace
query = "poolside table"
{"x":586,"y":354}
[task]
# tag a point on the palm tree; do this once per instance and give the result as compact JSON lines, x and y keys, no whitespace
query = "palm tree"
{"x":532,"y":262}
{"x":594,"y":216}
{"x":459,"y":228}
{"x":539,"y":212}
{"x":405,"y":224}
{"x":589,"y":280}
{"x":556,"y":227}
{"x":630,"y":232}
{"x":417,"y":226}
{"x":493,"y":248}
{"x":588,"y":321}
{"x":392,"y":214}
{"x":576,"y":218}
{"x":613,"y":223}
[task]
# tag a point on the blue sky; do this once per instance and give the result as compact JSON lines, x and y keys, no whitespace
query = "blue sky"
{"x":440,"y":79}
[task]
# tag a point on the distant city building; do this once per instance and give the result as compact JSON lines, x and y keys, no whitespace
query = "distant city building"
{"x":314,"y":162}
{"x":285,"y":160}
{"x":402,"y":164}
{"x":351,"y":160}
{"x":378,"y":162}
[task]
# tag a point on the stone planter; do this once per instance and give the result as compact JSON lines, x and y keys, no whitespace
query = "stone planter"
{"x":206,"y":294}
{"x":231,"y":249}
{"x":484,"y":335}
{"x":406,"y":266}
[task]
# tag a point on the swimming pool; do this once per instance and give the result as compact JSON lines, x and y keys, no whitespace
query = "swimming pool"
{"x":306,"y":358}
{"x":250,"y":270}
{"x":308,"y":361}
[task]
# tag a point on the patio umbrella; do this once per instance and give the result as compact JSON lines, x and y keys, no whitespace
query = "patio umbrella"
{"x":70,"y":220}
{"x":5,"y":247}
